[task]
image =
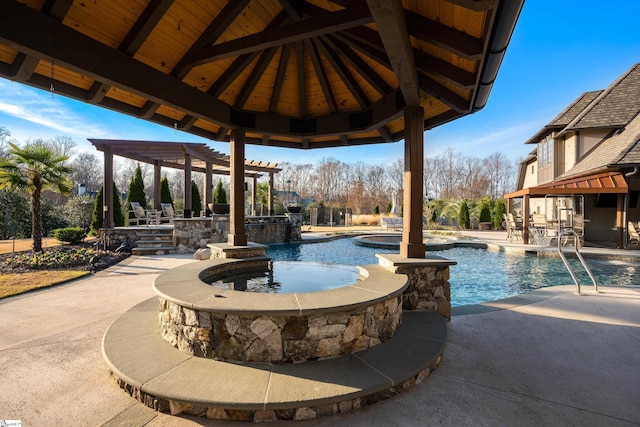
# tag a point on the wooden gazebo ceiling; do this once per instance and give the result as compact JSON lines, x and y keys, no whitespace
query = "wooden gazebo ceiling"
{"x":292,"y":73}
{"x":172,"y":155}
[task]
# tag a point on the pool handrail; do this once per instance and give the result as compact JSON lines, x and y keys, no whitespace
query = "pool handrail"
{"x":576,"y":241}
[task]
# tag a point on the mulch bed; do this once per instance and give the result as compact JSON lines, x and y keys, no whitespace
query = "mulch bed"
{"x":82,"y":256}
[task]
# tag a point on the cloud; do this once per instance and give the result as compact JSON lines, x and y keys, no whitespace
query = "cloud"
{"x":37,"y":107}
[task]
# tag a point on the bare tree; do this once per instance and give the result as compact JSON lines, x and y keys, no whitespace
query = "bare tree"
{"x":87,"y":170}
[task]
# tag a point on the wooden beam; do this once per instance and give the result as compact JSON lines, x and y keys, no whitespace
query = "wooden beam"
{"x":476,"y":5}
{"x":390,"y":21}
{"x":23,"y":67}
{"x":57,"y":9}
{"x":302,"y":89}
{"x":313,"y":27}
{"x":97,"y":92}
{"x":445,"y":70}
{"x":255,"y":76}
{"x":219,"y":25}
{"x":322,"y":76}
{"x":443,"y":36}
{"x":357,"y":63}
{"x":86,"y":56}
{"x":344,"y":73}
{"x":443,"y":94}
{"x":280,"y":76}
{"x":144,"y":25}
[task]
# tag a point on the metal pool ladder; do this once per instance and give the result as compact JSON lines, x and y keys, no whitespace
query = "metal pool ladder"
{"x":568,"y":232}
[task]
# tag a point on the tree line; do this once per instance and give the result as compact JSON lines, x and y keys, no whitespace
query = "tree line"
{"x":357,"y":187}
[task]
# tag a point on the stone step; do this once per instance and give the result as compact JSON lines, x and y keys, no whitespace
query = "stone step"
{"x":154,"y":243}
{"x":158,"y":250}
{"x":168,"y":380}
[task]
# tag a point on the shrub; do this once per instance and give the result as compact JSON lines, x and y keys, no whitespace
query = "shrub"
{"x":464,"y":219}
{"x":499,"y":211}
{"x":219,"y":195}
{"x":376,"y":210}
{"x":485,"y":214}
{"x":196,"y":201}
{"x":69,"y":235}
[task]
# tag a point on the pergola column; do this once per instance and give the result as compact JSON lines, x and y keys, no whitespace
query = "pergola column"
{"x":156,"y":185}
{"x":107,"y":191}
{"x":187,"y":186}
{"x":208,"y":187}
{"x":237,"y":233}
{"x":412,"y":245}
{"x":620,"y":226}
{"x":525,"y":219}
{"x":270,"y":203}
{"x":254,"y":197}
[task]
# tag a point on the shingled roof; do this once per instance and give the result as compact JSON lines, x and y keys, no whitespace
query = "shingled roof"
{"x":615,"y":107}
{"x":566,"y":116}
{"x":622,"y":149}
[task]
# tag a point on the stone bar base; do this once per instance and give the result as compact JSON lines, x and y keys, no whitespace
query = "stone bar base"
{"x":429,"y":287}
{"x":225,"y":250}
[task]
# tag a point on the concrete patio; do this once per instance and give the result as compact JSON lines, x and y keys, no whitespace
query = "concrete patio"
{"x":544,"y":358}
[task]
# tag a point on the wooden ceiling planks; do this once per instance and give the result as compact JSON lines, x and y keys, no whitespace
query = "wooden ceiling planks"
{"x":348,"y":82}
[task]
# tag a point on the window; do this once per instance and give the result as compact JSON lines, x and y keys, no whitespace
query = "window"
{"x":545,"y":152}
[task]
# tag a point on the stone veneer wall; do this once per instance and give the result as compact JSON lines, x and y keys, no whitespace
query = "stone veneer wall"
{"x":429,"y":287}
{"x":273,"y":338}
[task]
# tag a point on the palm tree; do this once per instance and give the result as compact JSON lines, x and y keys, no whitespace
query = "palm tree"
{"x":262,"y":196}
{"x":35,"y":168}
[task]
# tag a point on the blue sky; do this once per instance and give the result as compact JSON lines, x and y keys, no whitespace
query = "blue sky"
{"x":558,"y":50}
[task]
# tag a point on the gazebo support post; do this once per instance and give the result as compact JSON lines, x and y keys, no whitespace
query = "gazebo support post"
{"x":156,"y":185}
{"x":187,"y":186}
{"x":208,"y":187}
{"x":107,"y":191}
{"x":237,"y":233}
{"x":412,"y":245}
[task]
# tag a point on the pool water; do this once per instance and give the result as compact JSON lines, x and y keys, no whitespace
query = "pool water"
{"x":480,"y":275}
{"x":286,"y":277}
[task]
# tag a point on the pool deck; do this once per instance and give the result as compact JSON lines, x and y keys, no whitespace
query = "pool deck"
{"x":547,"y":357}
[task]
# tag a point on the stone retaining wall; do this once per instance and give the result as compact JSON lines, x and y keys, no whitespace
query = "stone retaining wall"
{"x":273,"y":338}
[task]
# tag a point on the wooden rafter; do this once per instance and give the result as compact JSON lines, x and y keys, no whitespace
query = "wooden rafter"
{"x":390,"y":21}
{"x":300,"y":30}
{"x":282,"y":69}
{"x":255,"y":76}
{"x":322,"y":75}
{"x":344,"y":73}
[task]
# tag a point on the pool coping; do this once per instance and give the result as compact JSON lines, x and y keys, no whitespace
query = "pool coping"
{"x":183,"y":286}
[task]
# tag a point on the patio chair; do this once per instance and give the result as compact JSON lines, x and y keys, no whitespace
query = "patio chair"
{"x":634,"y":237}
{"x":538,"y":230}
{"x":514,"y":230}
{"x":136,"y":214}
{"x":167,"y":213}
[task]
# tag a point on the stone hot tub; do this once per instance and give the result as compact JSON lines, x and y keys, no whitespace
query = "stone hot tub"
{"x":222,"y":324}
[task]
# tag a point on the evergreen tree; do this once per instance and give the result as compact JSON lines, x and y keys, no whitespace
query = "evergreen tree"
{"x":389,"y":207}
{"x":219,"y":195}
{"x":96,"y":218}
{"x":485,"y":214}
{"x":464,"y":219}
{"x":136,"y":190}
{"x":118,"y":215}
{"x":499,"y":211}
{"x":376,"y":210}
{"x":196,"y":201}
{"x":165,"y":193}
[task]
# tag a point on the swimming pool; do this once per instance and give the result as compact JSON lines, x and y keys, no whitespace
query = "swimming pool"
{"x":480,"y":275}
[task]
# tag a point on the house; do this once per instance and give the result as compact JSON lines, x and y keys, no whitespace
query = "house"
{"x":587,"y":160}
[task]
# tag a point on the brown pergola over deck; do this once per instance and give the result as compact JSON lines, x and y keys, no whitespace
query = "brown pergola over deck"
{"x":188,"y":157}
{"x":289,"y":73}
{"x":599,"y":183}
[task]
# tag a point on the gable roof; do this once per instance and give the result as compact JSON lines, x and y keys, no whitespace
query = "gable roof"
{"x":565,"y":116}
{"x":615,"y":107}
{"x":619,"y":150}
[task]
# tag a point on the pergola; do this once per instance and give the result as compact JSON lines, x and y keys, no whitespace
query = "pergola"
{"x":197,"y":157}
{"x":288,"y":73}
